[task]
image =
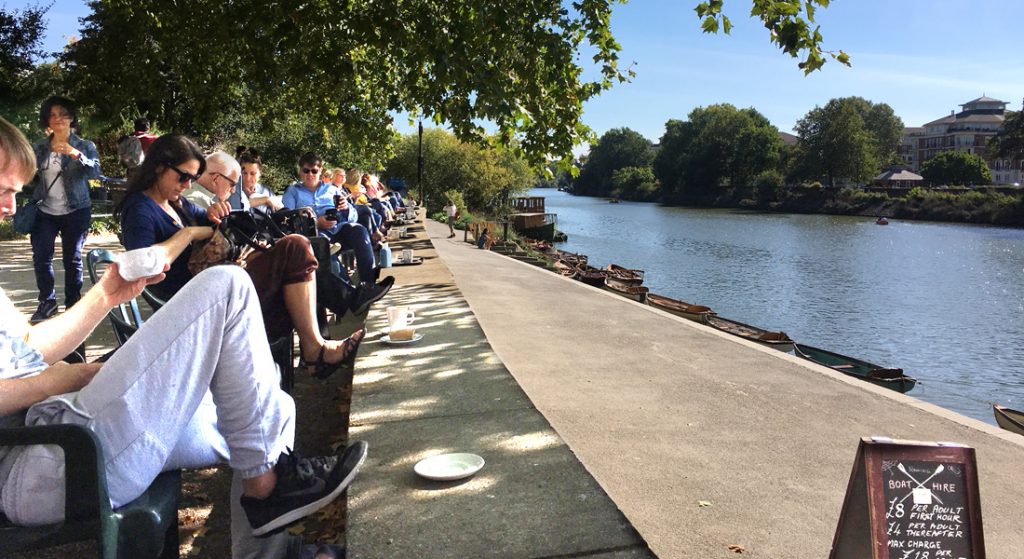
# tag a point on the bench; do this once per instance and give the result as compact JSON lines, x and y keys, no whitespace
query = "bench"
{"x":143,"y":529}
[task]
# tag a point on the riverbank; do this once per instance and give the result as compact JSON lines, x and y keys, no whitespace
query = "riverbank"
{"x":704,"y":441}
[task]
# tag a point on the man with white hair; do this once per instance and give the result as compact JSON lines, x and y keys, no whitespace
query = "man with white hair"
{"x":217,"y":183}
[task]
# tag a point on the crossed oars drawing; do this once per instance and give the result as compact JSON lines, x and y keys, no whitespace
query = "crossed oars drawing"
{"x":920,"y":484}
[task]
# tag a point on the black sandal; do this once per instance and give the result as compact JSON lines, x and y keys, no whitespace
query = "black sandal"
{"x":323,"y":369}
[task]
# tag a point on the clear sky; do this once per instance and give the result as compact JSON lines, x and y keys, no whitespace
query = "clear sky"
{"x":922,"y":57}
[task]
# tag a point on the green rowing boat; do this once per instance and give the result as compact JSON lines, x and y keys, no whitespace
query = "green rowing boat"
{"x":893,"y":379}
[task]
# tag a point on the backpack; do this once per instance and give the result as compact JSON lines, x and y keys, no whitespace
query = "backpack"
{"x":129,"y":151}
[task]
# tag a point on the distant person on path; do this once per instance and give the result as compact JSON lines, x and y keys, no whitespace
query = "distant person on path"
{"x":485,"y":241}
{"x":148,"y":404}
{"x":146,"y":138}
{"x":452,"y":212}
{"x":65,"y":164}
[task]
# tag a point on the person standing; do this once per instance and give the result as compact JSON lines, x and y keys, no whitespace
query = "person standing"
{"x":453,"y":213}
{"x":146,"y":138}
{"x":65,"y":165}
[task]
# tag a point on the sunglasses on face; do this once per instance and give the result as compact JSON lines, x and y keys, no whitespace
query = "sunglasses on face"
{"x":308,"y":171}
{"x":225,"y":177}
{"x":183,"y":177}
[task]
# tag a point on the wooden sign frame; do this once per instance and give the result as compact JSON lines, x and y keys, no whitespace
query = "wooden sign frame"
{"x":863,"y":529}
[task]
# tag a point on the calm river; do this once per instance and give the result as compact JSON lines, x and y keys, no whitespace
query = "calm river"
{"x":945,"y":302}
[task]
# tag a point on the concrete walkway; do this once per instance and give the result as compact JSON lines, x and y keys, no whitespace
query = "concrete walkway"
{"x":666,"y":413}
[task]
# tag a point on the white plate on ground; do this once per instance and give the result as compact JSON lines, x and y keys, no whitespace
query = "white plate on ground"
{"x":448,"y":467}
{"x":387,"y":339}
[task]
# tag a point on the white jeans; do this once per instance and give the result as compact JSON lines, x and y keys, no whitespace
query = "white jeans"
{"x":150,"y":405}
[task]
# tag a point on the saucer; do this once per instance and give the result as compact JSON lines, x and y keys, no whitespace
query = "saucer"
{"x":415,"y":260}
{"x":448,"y":467}
{"x":387,"y":339}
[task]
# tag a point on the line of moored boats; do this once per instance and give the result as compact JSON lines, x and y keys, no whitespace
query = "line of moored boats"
{"x":628,"y":283}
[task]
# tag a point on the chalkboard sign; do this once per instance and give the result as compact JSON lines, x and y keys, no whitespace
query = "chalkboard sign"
{"x":911,"y":500}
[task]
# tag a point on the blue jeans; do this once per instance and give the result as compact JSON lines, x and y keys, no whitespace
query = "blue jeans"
{"x":72,"y":228}
{"x":355,"y":237}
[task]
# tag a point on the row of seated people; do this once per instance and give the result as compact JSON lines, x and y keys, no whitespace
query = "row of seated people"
{"x":192,"y":387}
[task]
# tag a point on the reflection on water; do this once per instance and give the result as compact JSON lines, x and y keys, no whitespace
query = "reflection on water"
{"x":943,"y":301}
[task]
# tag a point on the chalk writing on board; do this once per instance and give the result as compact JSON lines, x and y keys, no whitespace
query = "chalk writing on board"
{"x":926,"y":512}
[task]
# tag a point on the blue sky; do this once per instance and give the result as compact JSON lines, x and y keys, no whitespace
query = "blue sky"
{"x":922,"y":57}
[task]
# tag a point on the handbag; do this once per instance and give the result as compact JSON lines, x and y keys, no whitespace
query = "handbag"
{"x":25,"y":217}
{"x":235,"y":238}
{"x":299,"y":221}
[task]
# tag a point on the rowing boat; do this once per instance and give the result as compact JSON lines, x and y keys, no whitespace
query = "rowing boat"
{"x":893,"y":379}
{"x":624,"y":276}
{"x":571,"y":258}
{"x":590,"y":275}
{"x":777,"y":340}
{"x":1009,"y":419}
{"x":697,"y":313}
{"x":637,"y":293}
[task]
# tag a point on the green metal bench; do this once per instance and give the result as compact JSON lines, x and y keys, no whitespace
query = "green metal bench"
{"x":143,"y":529}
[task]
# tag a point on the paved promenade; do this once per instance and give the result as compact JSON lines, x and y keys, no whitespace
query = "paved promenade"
{"x":667,"y":413}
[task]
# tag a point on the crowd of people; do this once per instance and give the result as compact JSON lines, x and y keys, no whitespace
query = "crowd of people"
{"x":220,"y":396}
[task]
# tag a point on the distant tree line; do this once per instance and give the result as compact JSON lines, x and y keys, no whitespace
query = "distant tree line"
{"x":721,"y":155}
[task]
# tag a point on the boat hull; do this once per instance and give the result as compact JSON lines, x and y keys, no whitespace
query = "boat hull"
{"x":1009,"y":419}
{"x":637,"y":293}
{"x":775,"y":340}
{"x":893,"y":379}
{"x":696,"y":313}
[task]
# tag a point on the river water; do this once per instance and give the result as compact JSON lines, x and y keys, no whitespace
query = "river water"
{"x":945,"y":302}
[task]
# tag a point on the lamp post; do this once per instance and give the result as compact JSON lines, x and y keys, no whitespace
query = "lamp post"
{"x":419,"y":167}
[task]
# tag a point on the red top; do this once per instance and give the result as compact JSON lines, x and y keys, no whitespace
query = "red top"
{"x":145,"y":138}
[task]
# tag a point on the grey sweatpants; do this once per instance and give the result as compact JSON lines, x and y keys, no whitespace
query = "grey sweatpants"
{"x":151,"y":409}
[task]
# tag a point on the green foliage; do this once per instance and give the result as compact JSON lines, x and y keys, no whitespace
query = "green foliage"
{"x":1008,"y":143}
{"x":719,"y":146}
{"x":956,"y":168}
{"x":634,"y":183}
{"x":21,"y":42}
{"x":482,"y":177}
{"x":617,"y":149}
{"x":789,"y":23}
{"x":849,"y":138}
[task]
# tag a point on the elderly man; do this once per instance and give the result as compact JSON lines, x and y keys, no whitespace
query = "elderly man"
{"x":148,"y":404}
{"x":217,"y":183}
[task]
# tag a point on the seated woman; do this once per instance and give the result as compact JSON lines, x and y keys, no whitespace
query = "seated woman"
{"x":154,"y":213}
{"x":485,"y":240}
{"x":147,"y":405}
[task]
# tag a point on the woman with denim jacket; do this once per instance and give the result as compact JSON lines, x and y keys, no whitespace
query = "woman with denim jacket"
{"x":66,"y":162}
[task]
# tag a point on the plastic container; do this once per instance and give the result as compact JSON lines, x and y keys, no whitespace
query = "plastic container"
{"x":140,"y":263}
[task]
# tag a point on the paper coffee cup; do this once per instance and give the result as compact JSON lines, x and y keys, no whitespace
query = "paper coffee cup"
{"x":140,"y":263}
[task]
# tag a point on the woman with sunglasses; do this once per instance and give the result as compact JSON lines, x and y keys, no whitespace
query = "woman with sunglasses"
{"x":154,"y":213}
{"x":66,"y":163}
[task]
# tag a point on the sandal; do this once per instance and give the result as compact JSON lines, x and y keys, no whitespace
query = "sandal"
{"x":323,"y":369}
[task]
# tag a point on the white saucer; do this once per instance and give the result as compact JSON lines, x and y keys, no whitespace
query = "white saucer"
{"x":387,"y":339}
{"x":447,"y":467}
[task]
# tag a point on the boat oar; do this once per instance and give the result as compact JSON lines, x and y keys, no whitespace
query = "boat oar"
{"x":921,"y":483}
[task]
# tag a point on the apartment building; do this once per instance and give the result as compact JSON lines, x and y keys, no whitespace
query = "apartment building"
{"x":967,"y":131}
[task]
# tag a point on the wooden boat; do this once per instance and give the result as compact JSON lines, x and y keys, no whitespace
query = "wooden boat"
{"x":697,"y":313}
{"x":571,"y":258}
{"x":613,"y":200}
{"x":624,"y":276}
{"x":590,"y":275}
{"x":637,"y":293}
{"x":1009,"y":419}
{"x":893,"y":379}
{"x":882,"y":221}
{"x":777,"y":340}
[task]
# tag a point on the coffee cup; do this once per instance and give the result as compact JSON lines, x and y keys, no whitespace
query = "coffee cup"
{"x":140,"y":263}
{"x":407,"y":256}
{"x":399,"y":318}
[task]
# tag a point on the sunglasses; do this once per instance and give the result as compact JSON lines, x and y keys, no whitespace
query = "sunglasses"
{"x":225,"y":177}
{"x":308,"y":171}
{"x":183,"y":177}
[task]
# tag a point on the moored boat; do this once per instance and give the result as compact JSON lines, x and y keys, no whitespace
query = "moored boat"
{"x":590,"y":275}
{"x":1009,"y":419}
{"x":571,"y":258}
{"x":637,"y":293}
{"x":697,"y":313}
{"x":777,"y":340}
{"x":893,"y":379}
{"x":624,"y":276}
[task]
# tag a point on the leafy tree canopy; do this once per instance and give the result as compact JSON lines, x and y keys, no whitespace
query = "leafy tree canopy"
{"x":483,"y":177}
{"x":1008,"y":143}
{"x":718,"y":145}
{"x":21,"y":38}
{"x":618,"y":148}
{"x":473,"y":64}
{"x":848,"y":138}
{"x":956,"y":168}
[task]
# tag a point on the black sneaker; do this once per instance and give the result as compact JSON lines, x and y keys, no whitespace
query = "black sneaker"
{"x":369,"y":294}
{"x":45,"y":310}
{"x":304,"y":486}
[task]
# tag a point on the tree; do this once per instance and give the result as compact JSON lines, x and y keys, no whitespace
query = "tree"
{"x":483,"y":176}
{"x":956,"y":168}
{"x":21,"y":39}
{"x":634,"y":183}
{"x":618,"y":148}
{"x":717,"y":146}
{"x":1008,"y":143}
{"x":475,"y":65}
{"x":835,"y":143}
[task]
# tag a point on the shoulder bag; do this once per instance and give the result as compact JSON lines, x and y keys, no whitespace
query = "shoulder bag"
{"x":25,"y":217}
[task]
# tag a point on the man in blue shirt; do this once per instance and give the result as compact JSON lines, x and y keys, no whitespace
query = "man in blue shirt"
{"x":336,"y":220}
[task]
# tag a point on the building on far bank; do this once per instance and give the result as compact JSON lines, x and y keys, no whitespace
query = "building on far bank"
{"x":898,"y":177}
{"x":967,"y":131}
